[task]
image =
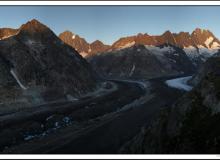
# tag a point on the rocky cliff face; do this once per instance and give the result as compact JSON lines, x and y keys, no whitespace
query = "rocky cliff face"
{"x":142,"y":61}
{"x":40,"y":66}
{"x":199,"y":38}
{"x":191,"y":125}
{"x":7,"y":32}
{"x":81,"y":45}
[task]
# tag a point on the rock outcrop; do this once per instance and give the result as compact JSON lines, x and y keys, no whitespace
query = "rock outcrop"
{"x":191,"y":124}
{"x":81,"y":45}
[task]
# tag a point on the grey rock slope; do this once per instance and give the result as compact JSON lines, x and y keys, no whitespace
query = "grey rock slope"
{"x":141,"y":61}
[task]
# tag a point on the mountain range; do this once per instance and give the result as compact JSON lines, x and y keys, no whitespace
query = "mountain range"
{"x":167,"y":53}
{"x":81,"y":45}
{"x":200,"y":41}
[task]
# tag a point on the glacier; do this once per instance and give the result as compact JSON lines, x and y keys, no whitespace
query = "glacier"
{"x":180,"y":83}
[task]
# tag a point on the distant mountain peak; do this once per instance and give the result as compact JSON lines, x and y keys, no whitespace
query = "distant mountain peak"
{"x":97,"y":42}
{"x":140,"y":34}
{"x":34,"y":26}
{"x":167,"y":32}
{"x":202,"y":31}
{"x":81,"y":45}
{"x":68,"y":33}
{"x":182,"y":33}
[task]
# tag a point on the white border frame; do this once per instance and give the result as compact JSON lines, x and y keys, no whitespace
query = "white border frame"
{"x":95,"y":3}
{"x":108,"y":156}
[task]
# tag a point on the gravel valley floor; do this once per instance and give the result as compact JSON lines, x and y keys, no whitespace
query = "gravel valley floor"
{"x":99,"y":125}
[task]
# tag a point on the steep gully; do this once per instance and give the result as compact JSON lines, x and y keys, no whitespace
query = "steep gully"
{"x":98,"y":124}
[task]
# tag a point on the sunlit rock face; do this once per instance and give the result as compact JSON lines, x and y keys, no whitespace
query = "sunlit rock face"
{"x":7,"y":32}
{"x":81,"y":45}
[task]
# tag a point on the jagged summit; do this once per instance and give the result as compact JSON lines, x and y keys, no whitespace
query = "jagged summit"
{"x":140,"y":34}
{"x":81,"y":45}
{"x":201,"y":31}
{"x":97,"y":42}
{"x":167,"y":32}
{"x":34,"y":26}
{"x":67,"y":33}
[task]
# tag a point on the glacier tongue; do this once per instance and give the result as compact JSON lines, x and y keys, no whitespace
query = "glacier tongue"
{"x":180,"y":83}
{"x":17,"y":80}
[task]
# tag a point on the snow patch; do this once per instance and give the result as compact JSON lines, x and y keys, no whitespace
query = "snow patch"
{"x":179,"y":83}
{"x":200,"y":46}
{"x":132,"y":70}
{"x":207,"y":52}
{"x":17,"y":79}
{"x":84,"y":54}
{"x":71,"y":98}
{"x":127,"y":45}
{"x":4,"y":37}
{"x":215,"y":45}
{"x":30,"y":42}
{"x":158,"y":50}
{"x":74,"y":36}
{"x":48,"y":118}
{"x":192,"y":52}
{"x":208,"y":41}
{"x":29,"y":137}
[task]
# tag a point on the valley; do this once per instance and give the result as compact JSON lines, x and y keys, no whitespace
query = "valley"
{"x":99,"y":125}
{"x":63,"y":95}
